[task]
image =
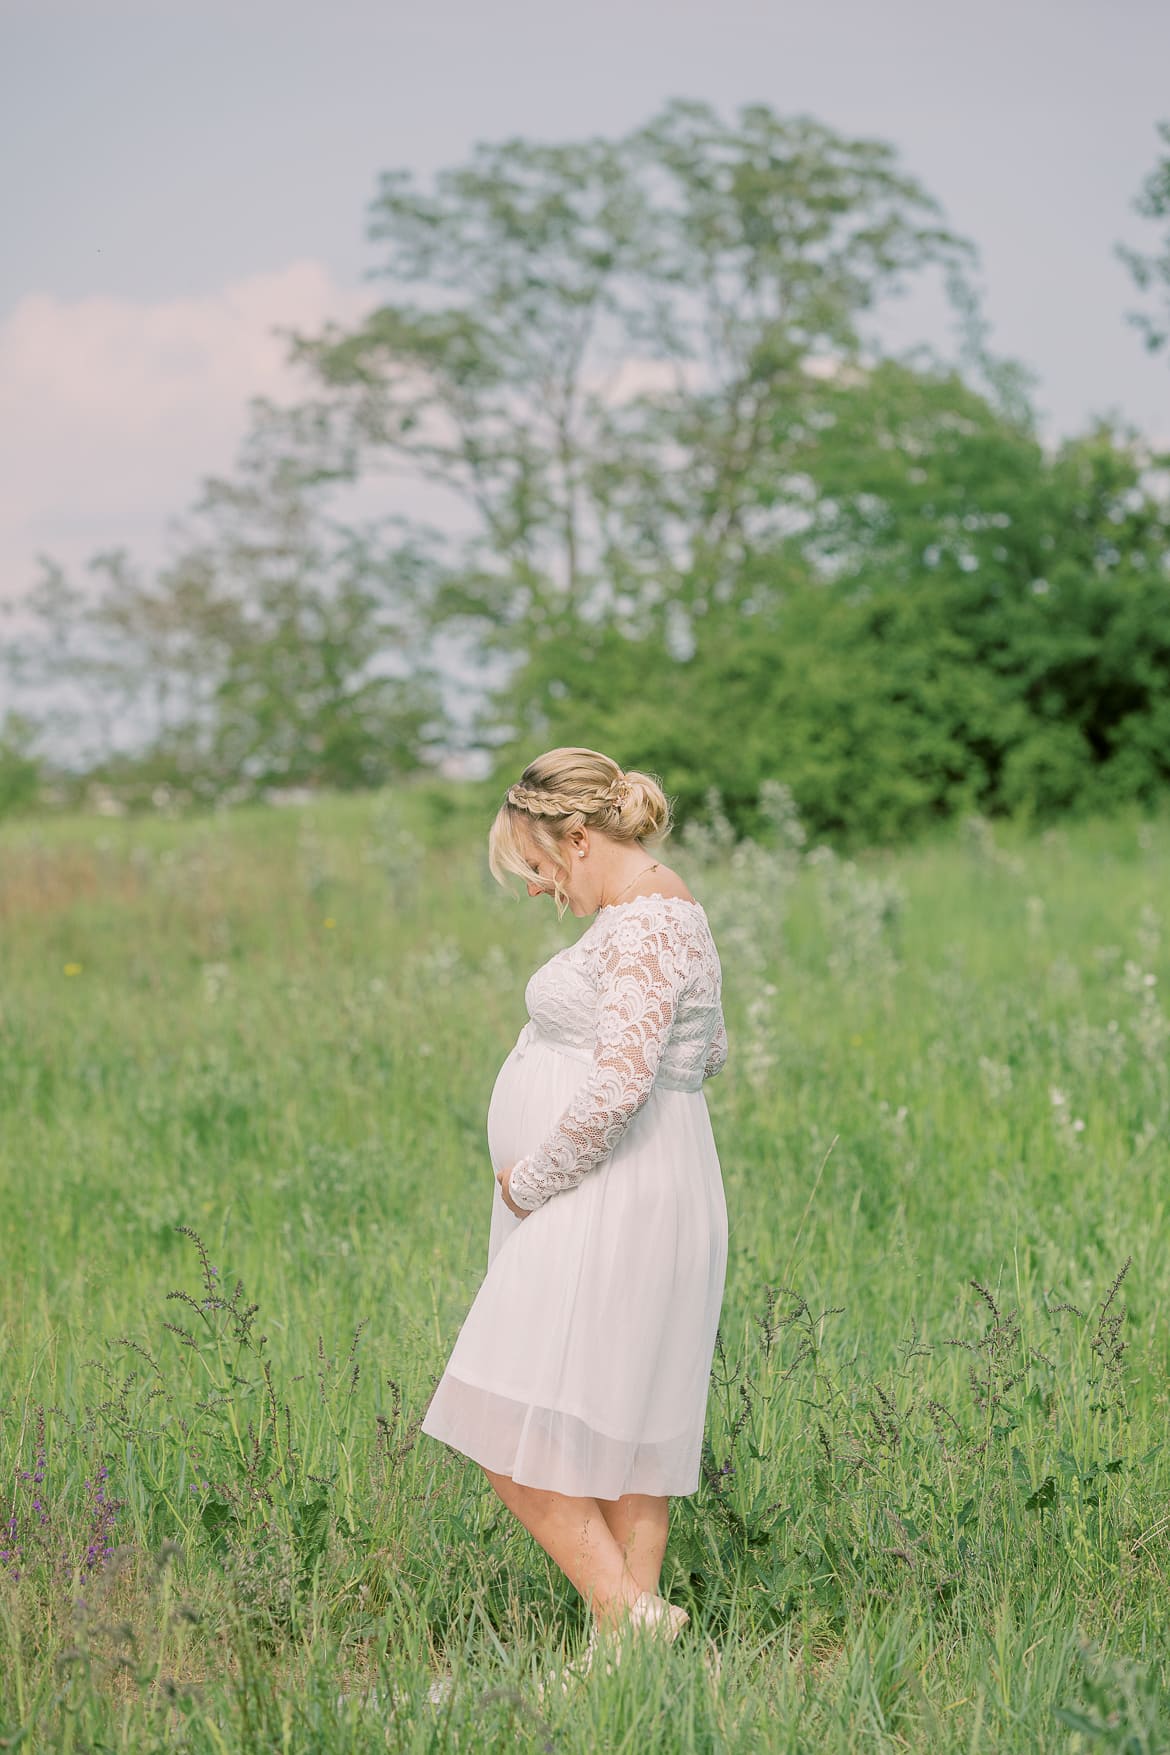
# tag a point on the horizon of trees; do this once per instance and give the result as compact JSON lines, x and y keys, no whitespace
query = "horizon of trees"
{"x":711,"y":523}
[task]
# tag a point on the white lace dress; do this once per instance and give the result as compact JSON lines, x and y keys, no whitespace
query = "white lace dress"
{"x":584,"y":1361}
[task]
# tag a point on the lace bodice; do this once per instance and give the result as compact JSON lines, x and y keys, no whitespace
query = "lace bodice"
{"x":639,"y":995}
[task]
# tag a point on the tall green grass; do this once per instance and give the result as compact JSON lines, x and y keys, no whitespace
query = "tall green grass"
{"x":244,"y":1200}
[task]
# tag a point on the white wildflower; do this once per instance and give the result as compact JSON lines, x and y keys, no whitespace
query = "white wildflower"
{"x":997,"y":1078}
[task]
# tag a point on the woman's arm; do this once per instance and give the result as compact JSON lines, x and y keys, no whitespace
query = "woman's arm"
{"x":717,"y":1053}
{"x":642,"y":973}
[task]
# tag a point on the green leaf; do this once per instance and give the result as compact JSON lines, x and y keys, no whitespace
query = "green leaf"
{"x":217,"y":1519}
{"x":1044,"y":1496}
{"x":1076,"y":1721}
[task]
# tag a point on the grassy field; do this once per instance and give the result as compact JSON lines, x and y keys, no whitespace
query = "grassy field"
{"x":244,"y":1199}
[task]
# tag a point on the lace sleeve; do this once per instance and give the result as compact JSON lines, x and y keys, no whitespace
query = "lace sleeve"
{"x":642,"y":971}
{"x":717,"y":1053}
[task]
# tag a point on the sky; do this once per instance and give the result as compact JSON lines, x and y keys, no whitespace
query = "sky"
{"x":178,"y":178}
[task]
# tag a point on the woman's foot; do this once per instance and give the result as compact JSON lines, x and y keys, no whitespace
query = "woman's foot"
{"x":649,"y":1614}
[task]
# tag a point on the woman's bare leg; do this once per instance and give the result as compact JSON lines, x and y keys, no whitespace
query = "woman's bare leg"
{"x":576,"y":1536}
{"x":640,"y":1523}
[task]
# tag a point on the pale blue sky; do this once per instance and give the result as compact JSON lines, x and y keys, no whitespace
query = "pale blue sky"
{"x":177,"y":174}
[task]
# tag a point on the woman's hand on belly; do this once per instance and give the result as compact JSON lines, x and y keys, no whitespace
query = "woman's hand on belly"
{"x":503,"y":1177}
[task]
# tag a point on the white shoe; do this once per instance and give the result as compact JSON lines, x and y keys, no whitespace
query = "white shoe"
{"x":649,"y":1614}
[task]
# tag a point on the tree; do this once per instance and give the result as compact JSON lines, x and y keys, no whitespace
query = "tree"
{"x":279,"y":648}
{"x":1152,"y":273}
{"x":965,"y":623}
{"x":21,"y":768}
{"x":587,"y":345}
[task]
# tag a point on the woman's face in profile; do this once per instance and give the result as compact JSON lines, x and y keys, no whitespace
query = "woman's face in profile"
{"x":541,"y":864}
{"x":547,"y":869}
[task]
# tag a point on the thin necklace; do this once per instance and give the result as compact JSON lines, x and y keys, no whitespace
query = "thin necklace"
{"x":633,"y":880}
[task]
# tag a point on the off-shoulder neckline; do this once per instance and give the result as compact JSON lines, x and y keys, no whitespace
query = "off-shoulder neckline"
{"x":650,"y":896}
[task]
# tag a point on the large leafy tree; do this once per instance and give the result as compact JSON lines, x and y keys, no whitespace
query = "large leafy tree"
{"x":965,"y":621}
{"x":602,"y":351}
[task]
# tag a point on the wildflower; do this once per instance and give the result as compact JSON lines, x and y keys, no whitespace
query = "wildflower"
{"x":73,"y":968}
{"x":1067,"y":1126}
{"x":215,"y":978}
{"x":997,"y":1077}
{"x":330,"y":921}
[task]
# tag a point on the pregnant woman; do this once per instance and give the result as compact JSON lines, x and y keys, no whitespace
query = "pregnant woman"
{"x":578,"y":1380}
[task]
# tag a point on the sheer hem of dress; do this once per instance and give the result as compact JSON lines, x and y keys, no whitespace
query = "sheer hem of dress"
{"x":544,"y":1447}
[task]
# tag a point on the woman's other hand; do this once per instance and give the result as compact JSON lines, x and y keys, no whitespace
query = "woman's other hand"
{"x":504,"y":1177}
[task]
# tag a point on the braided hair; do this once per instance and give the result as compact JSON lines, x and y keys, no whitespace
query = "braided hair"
{"x":546,"y":801}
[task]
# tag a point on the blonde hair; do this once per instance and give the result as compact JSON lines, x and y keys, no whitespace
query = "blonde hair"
{"x":569,"y":788}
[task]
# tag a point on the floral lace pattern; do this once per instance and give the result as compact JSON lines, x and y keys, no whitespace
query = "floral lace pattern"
{"x":647,"y":975}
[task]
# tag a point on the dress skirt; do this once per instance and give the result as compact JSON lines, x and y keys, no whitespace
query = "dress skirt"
{"x":584,"y":1362}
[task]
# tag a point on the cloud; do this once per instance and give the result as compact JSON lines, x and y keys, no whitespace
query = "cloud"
{"x":113,"y":410}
